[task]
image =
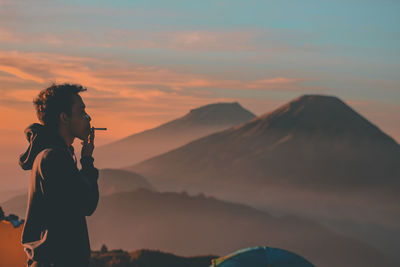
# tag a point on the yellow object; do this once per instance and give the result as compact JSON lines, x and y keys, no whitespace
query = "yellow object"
{"x":11,"y":251}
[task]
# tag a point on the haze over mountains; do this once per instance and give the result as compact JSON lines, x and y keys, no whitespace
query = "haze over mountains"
{"x":110,"y":181}
{"x":197,"y":123}
{"x":199,"y":225}
{"x":314,"y":156}
{"x":7,"y":194}
{"x":114,"y":180}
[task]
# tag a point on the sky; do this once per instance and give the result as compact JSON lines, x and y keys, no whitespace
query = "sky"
{"x":147,"y":62}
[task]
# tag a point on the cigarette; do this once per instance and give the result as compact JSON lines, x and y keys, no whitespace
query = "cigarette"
{"x":101,"y":129}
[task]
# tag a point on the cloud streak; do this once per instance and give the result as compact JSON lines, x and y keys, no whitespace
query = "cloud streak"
{"x":122,"y":93}
{"x":223,"y":41}
{"x":115,"y":79}
{"x":20,"y":74}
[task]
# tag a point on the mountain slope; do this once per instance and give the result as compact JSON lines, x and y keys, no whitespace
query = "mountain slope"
{"x":314,"y":156}
{"x":113,"y":181}
{"x":199,"y":225}
{"x":7,"y":194}
{"x":312,"y":142}
{"x":110,"y":181}
{"x":197,"y":123}
{"x":145,"y":257}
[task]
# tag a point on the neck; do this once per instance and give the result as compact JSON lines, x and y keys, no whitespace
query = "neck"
{"x":68,"y":139}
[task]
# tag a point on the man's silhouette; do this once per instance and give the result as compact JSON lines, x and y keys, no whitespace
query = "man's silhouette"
{"x":60,"y":195}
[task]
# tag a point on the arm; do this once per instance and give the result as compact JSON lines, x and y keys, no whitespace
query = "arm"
{"x":90,"y":175}
{"x":67,"y":189}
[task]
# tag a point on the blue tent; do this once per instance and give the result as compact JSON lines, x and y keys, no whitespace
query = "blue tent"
{"x":261,"y":257}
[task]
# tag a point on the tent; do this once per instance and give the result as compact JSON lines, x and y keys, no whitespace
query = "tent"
{"x":12,"y":253}
{"x":261,"y":257}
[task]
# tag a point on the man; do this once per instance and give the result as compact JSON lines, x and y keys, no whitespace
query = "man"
{"x":60,"y":195}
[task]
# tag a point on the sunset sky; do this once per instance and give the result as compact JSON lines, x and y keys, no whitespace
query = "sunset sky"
{"x":147,"y":62}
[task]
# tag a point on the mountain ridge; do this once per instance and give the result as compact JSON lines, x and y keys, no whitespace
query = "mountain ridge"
{"x":200,"y":224}
{"x":323,"y":170}
{"x":329,"y":111}
{"x":295,"y":140}
{"x":195,"y":124}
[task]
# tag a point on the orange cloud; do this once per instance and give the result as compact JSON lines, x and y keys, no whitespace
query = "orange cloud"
{"x":121,"y":93}
{"x":116,"y":79}
{"x":20,"y":74}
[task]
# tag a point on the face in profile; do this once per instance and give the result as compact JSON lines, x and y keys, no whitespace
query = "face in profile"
{"x":79,"y":121}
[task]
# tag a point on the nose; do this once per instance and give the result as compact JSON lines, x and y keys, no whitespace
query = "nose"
{"x":88,"y":117}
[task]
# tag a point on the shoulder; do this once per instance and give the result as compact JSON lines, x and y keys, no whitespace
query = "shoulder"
{"x":52,"y":153}
{"x":53,"y":163}
{"x":52,"y":157}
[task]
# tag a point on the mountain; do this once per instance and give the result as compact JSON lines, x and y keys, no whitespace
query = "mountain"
{"x":114,"y":181}
{"x":110,"y":181}
{"x":16,"y":205}
{"x":7,"y":194}
{"x":197,"y":123}
{"x":313,"y":142}
{"x":200,"y":225}
{"x":314,"y":156}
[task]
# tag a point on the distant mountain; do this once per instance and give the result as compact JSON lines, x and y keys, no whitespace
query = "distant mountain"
{"x":113,"y":181}
{"x":197,"y":123}
{"x":110,"y":181}
{"x":16,"y":205}
{"x":145,"y":257}
{"x":7,"y":194}
{"x":314,"y":156}
{"x":313,"y":142}
{"x":200,"y":225}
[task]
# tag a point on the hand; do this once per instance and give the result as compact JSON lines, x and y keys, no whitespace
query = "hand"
{"x":88,"y":144}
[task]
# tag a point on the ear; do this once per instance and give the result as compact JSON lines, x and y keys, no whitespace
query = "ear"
{"x":64,"y":119}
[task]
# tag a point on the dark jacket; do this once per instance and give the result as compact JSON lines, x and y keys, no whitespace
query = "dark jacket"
{"x":60,"y":196}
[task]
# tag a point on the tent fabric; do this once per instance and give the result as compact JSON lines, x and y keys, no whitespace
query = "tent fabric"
{"x":261,"y":257}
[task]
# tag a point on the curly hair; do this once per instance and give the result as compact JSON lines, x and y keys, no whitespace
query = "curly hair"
{"x":54,"y":100}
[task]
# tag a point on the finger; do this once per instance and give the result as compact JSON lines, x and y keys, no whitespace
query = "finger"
{"x":91,"y":136}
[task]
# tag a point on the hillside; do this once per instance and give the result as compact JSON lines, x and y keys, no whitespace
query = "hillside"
{"x":145,"y":257}
{"x":195,"y":124}
{"x":110,"y":181}
{"x":313,"y":142}
{"x":200,"y":225}
{"x":314,"y":156}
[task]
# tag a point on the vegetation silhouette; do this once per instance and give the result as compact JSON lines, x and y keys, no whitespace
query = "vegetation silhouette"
{"x":145,"y":258}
